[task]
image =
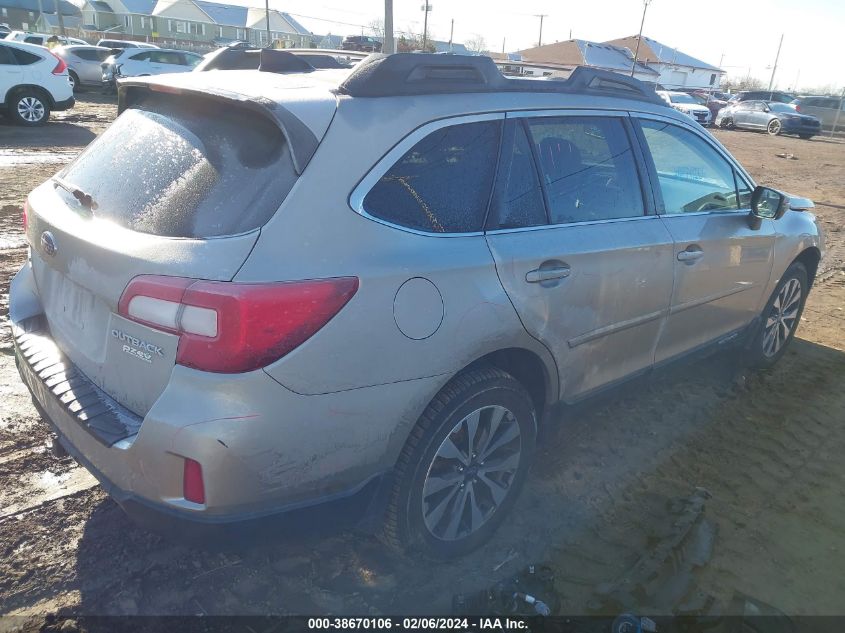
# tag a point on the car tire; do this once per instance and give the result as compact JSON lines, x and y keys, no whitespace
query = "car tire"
{"x":443,"y":502}
{"x":774,"y":127}
{"x":780,"y":317}
{"x":29,"y":108}
{"x":727,"y":124}
{"x":74,"y":81}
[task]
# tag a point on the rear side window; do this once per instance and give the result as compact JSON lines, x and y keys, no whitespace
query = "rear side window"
{"x":185,"y":167}
{"x":518,"y":201}
{"x":588,"y":168}
{"x":6,"y":57}
{"x":25,"y":57}
{"x":442,"y":184}
{"x":140,"y":57}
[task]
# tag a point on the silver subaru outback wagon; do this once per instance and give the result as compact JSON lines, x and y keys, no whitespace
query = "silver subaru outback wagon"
{"x":255,"y":293}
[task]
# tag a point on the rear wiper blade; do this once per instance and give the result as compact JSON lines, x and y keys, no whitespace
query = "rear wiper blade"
{"x":84,"y":199}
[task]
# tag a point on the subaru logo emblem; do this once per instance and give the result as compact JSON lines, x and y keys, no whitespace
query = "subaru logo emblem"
{"x":48,"y":243}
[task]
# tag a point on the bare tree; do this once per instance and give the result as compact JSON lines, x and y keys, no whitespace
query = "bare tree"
{"x":476,"y":44}
{"x":377,"y":27}
{"x":409,"y":41}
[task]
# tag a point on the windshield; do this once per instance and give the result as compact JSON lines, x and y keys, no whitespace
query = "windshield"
{"x":682,"y":97}
{"x":185,"y":167}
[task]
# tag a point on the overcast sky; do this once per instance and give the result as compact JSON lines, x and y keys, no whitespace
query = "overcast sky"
{"x":746,"y":32}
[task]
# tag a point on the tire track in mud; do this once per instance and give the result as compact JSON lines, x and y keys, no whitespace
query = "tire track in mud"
{"x":765,"y":453}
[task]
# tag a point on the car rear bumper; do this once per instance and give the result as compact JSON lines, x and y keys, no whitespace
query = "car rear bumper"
{"x":265,"y":451}
{"x":67,"y":104}
{"x":82,"y":415}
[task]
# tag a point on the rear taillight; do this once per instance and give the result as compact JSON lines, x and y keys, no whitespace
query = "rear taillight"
{"x":231,"y":327}
{"x":61,"y":66}
{"x":193,"y":487}
{"x":797,"y":108}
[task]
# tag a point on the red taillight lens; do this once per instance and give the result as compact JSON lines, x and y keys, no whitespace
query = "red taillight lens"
{"x":231,"y":327}
{"x":798,"y":108}
{"x":61,"y":66}
{"x":193,"y":488}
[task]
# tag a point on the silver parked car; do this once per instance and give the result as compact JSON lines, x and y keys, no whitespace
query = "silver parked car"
{"x":829,"y":110}
{"x":224,"y":317}
{"x":83,"y":64}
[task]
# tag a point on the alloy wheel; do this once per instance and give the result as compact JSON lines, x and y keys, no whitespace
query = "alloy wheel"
{"x":31,"y":109}
{"x":774,"y":127}
{"x":782,"y":318}
{"x":471,"y":473}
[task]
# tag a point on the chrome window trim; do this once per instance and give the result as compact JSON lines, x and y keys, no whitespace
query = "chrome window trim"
{"x":540,"y":227}
{"x":546,"y":113}
{"x":356,"y":198}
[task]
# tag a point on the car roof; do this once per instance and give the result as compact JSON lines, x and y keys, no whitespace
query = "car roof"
{"x":334,"y":85}
{"x":144,"y":49}
{"x":32,"y":48}
{"x":76,"y":47}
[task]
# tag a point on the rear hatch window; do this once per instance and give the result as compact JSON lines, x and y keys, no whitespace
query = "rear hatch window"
{"x":185,"y":166}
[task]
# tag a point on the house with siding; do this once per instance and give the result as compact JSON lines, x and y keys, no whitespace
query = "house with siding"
{"x":675,"y":69}
{"x":573,"y":53}
{"x":23,"y":15}
{"x":200,"y":21}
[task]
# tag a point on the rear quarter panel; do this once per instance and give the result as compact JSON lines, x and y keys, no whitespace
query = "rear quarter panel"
{"x":317,"y":234}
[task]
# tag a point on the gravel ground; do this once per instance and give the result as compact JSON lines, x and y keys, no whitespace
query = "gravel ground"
{"x":768,"y":448}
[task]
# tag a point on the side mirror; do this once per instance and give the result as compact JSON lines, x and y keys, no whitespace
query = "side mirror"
{"x":767,"y":204}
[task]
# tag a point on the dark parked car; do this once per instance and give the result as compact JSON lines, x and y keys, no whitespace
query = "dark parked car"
{"x":242,"y":56}
{"x":361,"y":43}
{"x":763,"y":95}
{"x":774,"y":118}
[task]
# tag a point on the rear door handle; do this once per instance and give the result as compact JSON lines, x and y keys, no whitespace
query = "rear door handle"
{"x":690,"y":255}
{"x":546,"y":274}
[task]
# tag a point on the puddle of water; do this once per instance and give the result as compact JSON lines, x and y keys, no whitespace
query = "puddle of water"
{"x":13,"y":157}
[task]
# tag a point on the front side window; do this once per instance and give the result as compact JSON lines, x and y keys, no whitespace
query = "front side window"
{"x":693,"y":176}
{"x":442,"y":184}
{"x":587,"y":167}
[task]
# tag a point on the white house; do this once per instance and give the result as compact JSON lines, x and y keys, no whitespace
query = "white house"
{"x":674,"y":68}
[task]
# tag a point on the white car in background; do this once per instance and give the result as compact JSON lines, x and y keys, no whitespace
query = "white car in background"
{"x":137,"y":62}
{"x":41,"y":39}
{"x":33,"y":82}
{"x":683,"y":102}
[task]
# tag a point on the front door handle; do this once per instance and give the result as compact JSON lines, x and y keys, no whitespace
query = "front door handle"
{"x":690,"y":255}
{"x":546,"y":274}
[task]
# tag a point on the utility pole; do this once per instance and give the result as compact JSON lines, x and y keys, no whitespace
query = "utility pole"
{"x":838,"y":112}
{"x":426,"y":7}
{"x":60,"y":17}
{"x":451,"y":34}
{"x":775,"y":67}
{"x":267,"y":15}
{"x":503,"y":45}
{"x":541,"y":16}
{"x":639,"y":37}
{"x":389,"y":46}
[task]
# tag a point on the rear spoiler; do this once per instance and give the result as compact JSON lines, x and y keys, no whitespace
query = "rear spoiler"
{"x":300,"y":139}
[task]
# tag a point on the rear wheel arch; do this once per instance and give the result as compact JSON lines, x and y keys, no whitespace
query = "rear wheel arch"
{"x":529,"y":369}
{"x":43,"y":93}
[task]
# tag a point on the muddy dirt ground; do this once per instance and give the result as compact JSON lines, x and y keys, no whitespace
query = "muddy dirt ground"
{"x":768,"y":448}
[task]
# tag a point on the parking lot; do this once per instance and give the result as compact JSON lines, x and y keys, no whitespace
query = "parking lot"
{"x":767,"y":448}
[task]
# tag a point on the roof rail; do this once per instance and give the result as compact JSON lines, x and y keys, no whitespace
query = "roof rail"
{"x":405,"y":74}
